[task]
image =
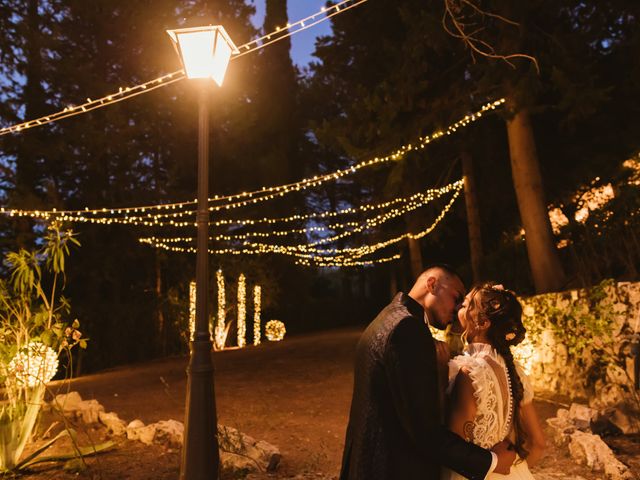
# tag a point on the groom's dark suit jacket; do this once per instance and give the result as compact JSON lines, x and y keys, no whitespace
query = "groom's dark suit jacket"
{"x":395,"y":429}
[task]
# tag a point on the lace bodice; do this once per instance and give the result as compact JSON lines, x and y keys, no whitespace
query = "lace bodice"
{"x":492,"y":391}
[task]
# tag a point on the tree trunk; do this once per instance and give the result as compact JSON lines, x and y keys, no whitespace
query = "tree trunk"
{"x":415,"y":257}
{"x":546,"y":269}
{"x":32,"y":143}
{"x":393,"y":281}
{"x":473,"y":216}
{"x":160,"y":323}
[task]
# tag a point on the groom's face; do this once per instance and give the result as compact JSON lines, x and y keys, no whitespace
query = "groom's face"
{"x":448,"y":295}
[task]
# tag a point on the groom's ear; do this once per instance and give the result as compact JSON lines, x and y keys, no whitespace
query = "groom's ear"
{"x":431,"y":285}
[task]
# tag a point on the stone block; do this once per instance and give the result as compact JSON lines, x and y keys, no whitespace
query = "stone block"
{"x":114,"y":424}
{"x":67,"y":402}
{"x":582,"y":416}
{"x":628,"y":423}
{"x":590,"y":450}
{"x":89,"y":411}
{"x":265,"y":455}
{"x":169,"y":433}
{"x":133,"y":429}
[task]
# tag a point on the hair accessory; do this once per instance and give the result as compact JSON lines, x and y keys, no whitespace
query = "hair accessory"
{"x":510,"y":336}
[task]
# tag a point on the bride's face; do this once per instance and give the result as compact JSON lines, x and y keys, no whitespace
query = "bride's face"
{"x":464,"y":313}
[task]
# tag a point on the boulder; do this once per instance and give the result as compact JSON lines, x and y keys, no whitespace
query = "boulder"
{"x":562,"y":430}
{"x":133,"y":429}
{"x":590,"y":450}
{"x":264,"y":455}
{"x":67,"y":402}
{"x":114,"y":424}
{"x":169,"y":433}
{"x":89,"y":411}
{"x":625,"y":422}
{"x":582,"y":416}
{"x":236,"y":466}
{"x":147,"y":434}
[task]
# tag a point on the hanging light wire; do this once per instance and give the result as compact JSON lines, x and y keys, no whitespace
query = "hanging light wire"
{"x":129,"y":92}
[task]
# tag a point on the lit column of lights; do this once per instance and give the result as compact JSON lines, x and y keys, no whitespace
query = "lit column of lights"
{"x":242,"y":311}
{"x":192,"y":309}
{"x":148,"y":218}
{"x":125,"y":93}
{"x":257,"y":300}
{"x":221,"y":328}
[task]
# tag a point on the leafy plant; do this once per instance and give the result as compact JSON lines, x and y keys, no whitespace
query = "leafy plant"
{"x":34,"y":333}
{"x":589,"y":326}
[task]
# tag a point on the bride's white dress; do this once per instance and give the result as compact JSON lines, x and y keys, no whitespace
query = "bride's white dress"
{"x":492,"y":391}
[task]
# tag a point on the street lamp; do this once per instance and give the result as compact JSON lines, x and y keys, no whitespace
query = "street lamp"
{"x":205,"y":53}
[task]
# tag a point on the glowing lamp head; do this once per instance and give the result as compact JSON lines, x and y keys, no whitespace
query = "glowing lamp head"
{"x":204,"y":51}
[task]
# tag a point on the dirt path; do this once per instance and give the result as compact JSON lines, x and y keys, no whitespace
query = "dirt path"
{"x":294,"y":394}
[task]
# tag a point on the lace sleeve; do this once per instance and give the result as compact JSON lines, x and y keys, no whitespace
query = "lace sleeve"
{"x":526,"y":384}
{"x":486,"y":429}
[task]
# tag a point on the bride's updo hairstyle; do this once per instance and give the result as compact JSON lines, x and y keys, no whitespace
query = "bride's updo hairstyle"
{"x":501,"y":307}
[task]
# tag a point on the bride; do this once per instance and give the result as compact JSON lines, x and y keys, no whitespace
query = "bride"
{"x":490,"y":396}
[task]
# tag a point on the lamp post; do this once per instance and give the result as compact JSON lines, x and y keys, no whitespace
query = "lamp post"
{"x":205,"y":53}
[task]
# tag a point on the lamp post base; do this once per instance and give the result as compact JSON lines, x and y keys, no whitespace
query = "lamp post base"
{"x":200,"y":455}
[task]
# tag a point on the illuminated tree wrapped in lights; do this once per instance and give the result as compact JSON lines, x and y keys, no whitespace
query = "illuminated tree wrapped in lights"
{"x":221,"y":329}
{"x":242,"y":311}
{"x":257,"y":299}
{"x":192,"y":309}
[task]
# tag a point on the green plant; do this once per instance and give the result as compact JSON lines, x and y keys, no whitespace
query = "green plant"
{"x":589,"y":327}
{"x":33,"y":334}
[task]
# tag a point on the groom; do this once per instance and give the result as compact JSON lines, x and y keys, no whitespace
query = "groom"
{"x":395,"y":429}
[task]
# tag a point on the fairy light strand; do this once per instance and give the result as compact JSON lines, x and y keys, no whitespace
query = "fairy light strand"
{"x":411,"y":203}
{"x":313,"y":256}
{"x":266,"y":193}
{"x":129,"y":92}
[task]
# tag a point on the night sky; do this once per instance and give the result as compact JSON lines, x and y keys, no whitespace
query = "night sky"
{"x":301,"y":43}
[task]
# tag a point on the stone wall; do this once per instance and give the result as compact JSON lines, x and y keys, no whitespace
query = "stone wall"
{"x":580,"y":343}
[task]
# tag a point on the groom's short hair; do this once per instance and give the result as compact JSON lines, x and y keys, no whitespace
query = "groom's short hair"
{"x":444,"y":267}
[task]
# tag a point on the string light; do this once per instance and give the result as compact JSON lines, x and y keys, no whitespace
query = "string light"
{"x":321,"y":262}
{"x":242,"y":311}
{"x":34,"y":365}
{"x":130,"y":92}
{"x":413,"y":202}
{"x":221,"y":330}
{"x":308,"y":255}
{"x":192,"y":309}
{"x":357,"y":252}
{"x":263,"y":194}
{"x":257,"y":300}
{"x":274,"y":330}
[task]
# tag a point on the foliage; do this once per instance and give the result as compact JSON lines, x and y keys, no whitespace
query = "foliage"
{"x":32,"y":312}
{"x":591,"y":326}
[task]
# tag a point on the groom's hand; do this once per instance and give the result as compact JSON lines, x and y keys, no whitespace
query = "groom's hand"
{"x":506,"y":456}
{"x":442,"y":353}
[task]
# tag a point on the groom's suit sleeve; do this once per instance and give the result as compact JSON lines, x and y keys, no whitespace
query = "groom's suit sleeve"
{"x":411,"y":371}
